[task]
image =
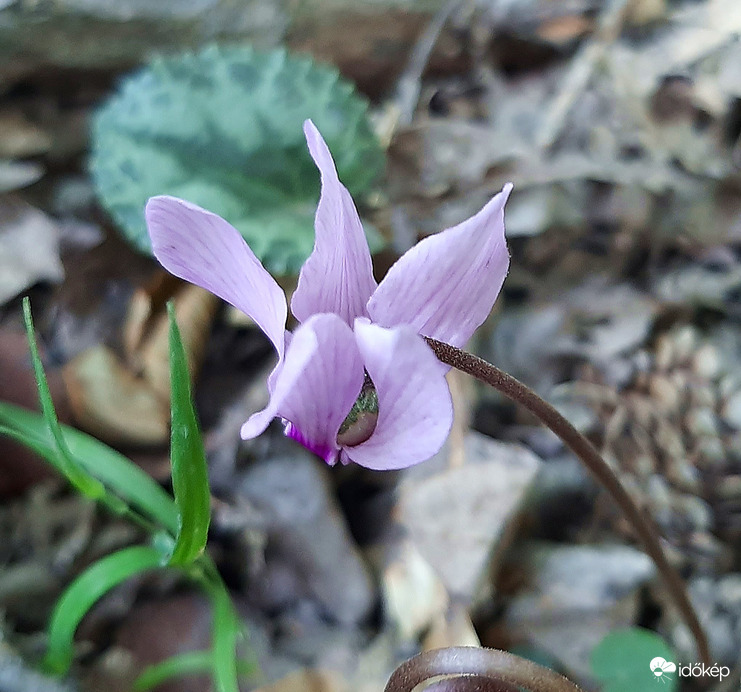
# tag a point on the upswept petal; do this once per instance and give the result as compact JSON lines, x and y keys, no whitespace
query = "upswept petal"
{"x":415,"y":410}
{"x":318,"y":383}
{"x":206,"y":250}
{"x":445,"y":285}
{"x":338,"y":276}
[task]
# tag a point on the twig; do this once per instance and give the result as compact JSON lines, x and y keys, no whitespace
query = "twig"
{"x":590,"y":457}
{"x":408,"y":86}
{"x":580,"y":71}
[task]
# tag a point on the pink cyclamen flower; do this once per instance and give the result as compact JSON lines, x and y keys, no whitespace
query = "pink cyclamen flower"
{"x":355,"y":381}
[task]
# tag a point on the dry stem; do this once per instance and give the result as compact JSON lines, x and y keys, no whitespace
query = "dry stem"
{"x":644,"y":527}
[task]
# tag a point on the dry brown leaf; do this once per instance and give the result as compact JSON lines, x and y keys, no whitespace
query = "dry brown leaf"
{"x":110,"y":402}
{"x":146,"y":328}
{"x":413,"y":595}
{"x":452,"y":628}
{"x":695,"y":31}
{"x":564,"y":30}
{"x":19,"y":137}
{"x":29,"y":248}
{"x":128,"y":402}
{"x":458,"y":518}
{"x":642,"y":12}
{"x":308,"y":681}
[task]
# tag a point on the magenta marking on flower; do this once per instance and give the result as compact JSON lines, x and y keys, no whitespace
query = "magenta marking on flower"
{"x":351,"y":329}
{"x":321,"y":450}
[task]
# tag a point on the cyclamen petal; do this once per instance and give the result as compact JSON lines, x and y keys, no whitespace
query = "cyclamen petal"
{"x":338,"y":276}
{"x":202,"y":248}
{"x":319,"y":381}
{"x":445,"y":285}
{"x":443,"y":288}
{"x":415,"y":409}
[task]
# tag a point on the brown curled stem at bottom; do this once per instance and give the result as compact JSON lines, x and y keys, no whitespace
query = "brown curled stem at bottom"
{"x":585,"y":451}
{"x":473,"y":669}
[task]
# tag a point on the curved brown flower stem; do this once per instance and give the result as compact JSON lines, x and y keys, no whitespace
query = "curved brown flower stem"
{"x":590,"y":457}
{"x":474,"y":669}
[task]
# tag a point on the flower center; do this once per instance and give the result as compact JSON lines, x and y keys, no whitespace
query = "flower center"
{"x":360,"y":423}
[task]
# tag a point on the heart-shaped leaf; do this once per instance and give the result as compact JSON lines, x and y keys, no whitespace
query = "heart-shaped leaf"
{"x":223,"y":129}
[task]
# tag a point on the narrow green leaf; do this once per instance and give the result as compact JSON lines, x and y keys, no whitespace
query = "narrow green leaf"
{"x":190,"y":663}
{"x":189,"y":472}
{"x":225,"y":635}
{"x":83,"y":593}
{"x":113,"y":469}
{"x":62,"y":460}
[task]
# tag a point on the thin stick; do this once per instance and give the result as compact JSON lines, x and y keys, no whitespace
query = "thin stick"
{"x":410,"y":81}
{"x":401,"y":106}
{"x":590,"y":457}
{"x":581,"y":70}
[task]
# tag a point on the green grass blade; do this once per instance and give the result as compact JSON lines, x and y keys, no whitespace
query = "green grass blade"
{"x":83,"y":593}
{"x":189,"y":472}
{"x":225,"y":636}
{"x":110,"y":467}
{"x":63,"y":461}
{"x":190,"y":663}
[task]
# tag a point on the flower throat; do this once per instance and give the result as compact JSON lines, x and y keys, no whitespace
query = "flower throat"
{"x":360,"y":423}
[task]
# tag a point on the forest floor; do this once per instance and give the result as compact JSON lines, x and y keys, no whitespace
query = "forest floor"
{"x":620,"y":125}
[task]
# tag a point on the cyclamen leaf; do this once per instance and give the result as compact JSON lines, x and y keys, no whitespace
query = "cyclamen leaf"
{"x":107,"y":465}
{"x":189,"y":472}
{"x":222,"y":128}
{"x":84,"y":592}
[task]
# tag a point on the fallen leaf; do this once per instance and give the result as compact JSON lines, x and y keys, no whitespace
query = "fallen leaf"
{"x":127,"y":402}
{"x":458,"y":517}
{"x":29,"y":248}
{"x":308,"y":681}
{"x":17,"y":174}
{"x":110,"y":402}
{"x":413,"y":595}
{"x":19,"y":137}
{"x":146,"y":328}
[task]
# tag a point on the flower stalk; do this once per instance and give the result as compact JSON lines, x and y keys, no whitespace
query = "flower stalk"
{"x":585,"y":451}
{"x":473,"y":669}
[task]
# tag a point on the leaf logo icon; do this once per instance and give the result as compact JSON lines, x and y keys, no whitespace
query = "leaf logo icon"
{"x":662,"y":668}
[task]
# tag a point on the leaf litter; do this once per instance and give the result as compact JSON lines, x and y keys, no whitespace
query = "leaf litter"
{"x":620,"y":125}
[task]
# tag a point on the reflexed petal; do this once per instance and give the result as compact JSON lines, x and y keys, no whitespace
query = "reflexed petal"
{"x":338,"y":276}
{"x":206,"y":250}
{"x":318,"y":383}
{"x":445,"y":285}
{"x":415,"y":410}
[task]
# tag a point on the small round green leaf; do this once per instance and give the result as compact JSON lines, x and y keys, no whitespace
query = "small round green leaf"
{"x":223,"y":129}
{"x":634,"y":659}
